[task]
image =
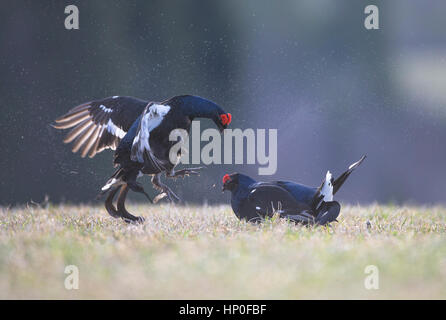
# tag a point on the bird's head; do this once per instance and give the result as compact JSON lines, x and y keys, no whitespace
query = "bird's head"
{"x":230,"y":182}
{"x":235,"y":182}
{"x":198,"y":107}
{"x":222,"y":120}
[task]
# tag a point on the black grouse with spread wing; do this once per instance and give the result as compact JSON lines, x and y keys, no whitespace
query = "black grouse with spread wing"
{"x":253,"y":201}
{"x":139,"y":132}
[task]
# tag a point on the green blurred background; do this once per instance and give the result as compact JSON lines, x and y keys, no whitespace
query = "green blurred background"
{"x":333,"y":89}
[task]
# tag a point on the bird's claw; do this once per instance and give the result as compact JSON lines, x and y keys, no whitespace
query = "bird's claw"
{"x":169,"y":194}
{"x":138,"y":220}
{"x":187,"y":172}
{"x":159,"y":197}
{"x":173,"y":197}
{"x":165,"y":190}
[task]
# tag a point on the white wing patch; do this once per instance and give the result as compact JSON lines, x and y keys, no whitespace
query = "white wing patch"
{"x":114,"y":129}
{"x":105,"y":109}
{"x":327,"y":188}
{"x":152,"y":118}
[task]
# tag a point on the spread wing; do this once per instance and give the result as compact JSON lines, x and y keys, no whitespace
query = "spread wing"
{"x":100,"y":124}
{"x":142,"y":152}
{"x":268,"y":198}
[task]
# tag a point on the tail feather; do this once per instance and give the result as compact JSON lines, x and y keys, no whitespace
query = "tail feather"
{"x":329,"y":186}
{"x":328,"y":212}
{"x":341,"y":179}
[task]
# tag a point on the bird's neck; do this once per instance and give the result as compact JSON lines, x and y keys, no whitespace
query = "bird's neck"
{"x":243,"y":187}
{"x":240,"y":194}
{"x":128,"y":138}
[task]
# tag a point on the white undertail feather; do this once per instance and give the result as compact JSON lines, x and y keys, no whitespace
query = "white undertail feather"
{"x":327,"y":188}
{"x":112,"y":183}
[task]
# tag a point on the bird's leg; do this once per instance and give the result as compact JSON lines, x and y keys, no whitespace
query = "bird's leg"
{"x":165,"y":190}
{"x":109,"y":203}
{"x":122,"y":211}
{"x":184,"y":172}
{"x":136,"y":187}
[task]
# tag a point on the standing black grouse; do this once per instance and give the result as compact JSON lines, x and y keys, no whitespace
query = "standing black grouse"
{"x":139,"y":132}
{"x":254,"y":201}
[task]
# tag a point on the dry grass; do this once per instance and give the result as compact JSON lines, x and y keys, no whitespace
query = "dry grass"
{"x":205,"y":252}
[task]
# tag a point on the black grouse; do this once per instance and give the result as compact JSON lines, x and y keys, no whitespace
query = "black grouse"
{"x":139,"y":132}
{"x":253,"y":201}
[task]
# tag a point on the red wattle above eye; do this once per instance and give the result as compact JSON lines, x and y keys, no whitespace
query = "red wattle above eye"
{"x":226,"y":118}
{"x":226,"y":178}
{"x":229,"y":118}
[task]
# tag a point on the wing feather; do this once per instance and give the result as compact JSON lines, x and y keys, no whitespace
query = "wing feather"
{"x":268,"y":197}
{"x":85,"y":134}
{"x":101,"y":124}
{"x":74,"y":133}
{"x":91,"y":140}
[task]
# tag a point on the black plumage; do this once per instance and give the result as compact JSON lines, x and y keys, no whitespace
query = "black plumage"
{"x":253,"y":201}
{"x":139,"y":132}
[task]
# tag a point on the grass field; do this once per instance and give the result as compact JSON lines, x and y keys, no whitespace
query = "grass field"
{"x":206,"y":253}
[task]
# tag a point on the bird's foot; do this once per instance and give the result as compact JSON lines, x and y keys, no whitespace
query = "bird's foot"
{"x":185,"y":172}
{"x":137,"y":187}
{"x":167,"y":192}
{"x":119,"y":211}
{"x":162,"y":195}
{"x":133,"y":219}
{"x":124,"y":214}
